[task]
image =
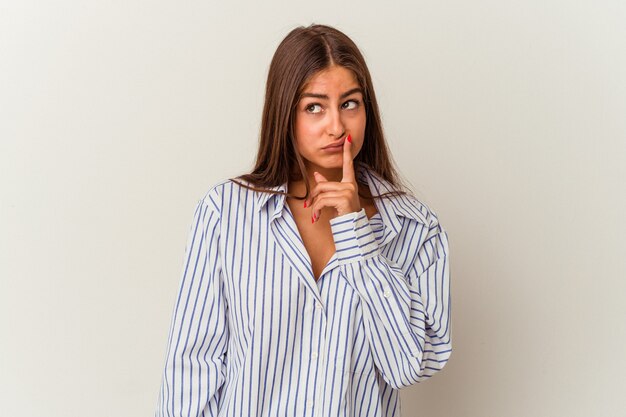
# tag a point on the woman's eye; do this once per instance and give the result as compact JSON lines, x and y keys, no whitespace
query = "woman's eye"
{"x":311,"y":106}
{"x":356,"y":104}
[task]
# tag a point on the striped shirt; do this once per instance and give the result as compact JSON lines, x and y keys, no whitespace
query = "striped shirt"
{"x":254,"y":334}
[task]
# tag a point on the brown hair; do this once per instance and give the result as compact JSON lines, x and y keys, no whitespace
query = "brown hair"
{"x":301,"y":54}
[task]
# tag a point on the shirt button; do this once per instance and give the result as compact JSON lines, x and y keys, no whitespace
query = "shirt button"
{"x":319,"y":306}
{"x":387,"y":293}
{"x":314,"y":355}
{"x":309,"y":404}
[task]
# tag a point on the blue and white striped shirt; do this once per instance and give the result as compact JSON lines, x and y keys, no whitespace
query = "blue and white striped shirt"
{"x":254,"y":334}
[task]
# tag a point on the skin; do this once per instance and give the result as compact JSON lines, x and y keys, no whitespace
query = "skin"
{"x":320,"y":122}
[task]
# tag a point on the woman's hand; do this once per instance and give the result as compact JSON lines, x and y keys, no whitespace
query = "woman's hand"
{"x":343,"y":196}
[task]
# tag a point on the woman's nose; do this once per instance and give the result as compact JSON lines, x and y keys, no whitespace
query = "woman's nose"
{"x":336,"y":127}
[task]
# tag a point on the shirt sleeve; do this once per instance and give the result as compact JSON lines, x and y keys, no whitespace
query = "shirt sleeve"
{"x":406,"y":315}
{"x":195,"y":367}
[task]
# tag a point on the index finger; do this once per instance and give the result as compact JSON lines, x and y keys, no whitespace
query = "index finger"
{"x":348,"y":163}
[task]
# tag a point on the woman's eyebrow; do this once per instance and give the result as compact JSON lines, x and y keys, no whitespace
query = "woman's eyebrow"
{"x":324,"y":96}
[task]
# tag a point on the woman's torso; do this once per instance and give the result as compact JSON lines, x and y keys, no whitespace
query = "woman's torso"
{"x":296,"y":326}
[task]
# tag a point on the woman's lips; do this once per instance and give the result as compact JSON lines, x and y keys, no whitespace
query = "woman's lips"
{"x":338,"y":148}
{"x":334,"y":145}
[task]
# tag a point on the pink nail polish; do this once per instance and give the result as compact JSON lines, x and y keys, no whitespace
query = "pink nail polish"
{"x":305,"y":203}
{"x":349,"y":138}
{"x":312,"y":219}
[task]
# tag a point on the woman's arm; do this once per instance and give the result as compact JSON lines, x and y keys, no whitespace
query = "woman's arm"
{"x":195,"y":367}
{"x":407,"y":316}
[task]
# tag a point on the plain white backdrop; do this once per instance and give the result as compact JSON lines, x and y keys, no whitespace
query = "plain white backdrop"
{"x":507,"y":117}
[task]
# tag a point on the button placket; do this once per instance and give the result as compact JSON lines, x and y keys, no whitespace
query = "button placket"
{"x":315,"y":355}
{"x":319,"y":392}
{"x":315,"y":309}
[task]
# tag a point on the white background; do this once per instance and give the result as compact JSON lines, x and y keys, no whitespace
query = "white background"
{"x":508,"y":118}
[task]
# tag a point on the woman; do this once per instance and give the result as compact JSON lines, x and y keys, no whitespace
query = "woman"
{"x":312,"y":286}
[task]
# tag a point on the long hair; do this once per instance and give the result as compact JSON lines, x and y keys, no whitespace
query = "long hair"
{"x":302,"y":53}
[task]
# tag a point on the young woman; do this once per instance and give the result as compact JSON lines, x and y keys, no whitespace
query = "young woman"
{"x":314,"y":285}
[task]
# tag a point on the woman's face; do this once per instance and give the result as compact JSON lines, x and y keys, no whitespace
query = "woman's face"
{"x":330,"y":108}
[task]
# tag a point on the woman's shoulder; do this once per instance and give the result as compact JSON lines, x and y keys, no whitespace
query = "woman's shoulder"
{"x":213,"y":194}
{"x":414,"y":208}
{"x":402,"y":200}
{"x":223,"y":188}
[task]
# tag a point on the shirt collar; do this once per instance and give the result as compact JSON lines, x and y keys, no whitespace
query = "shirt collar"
{"x":390,"y":208}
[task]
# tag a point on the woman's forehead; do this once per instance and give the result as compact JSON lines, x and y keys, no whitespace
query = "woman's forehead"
{"x":329,"y":76}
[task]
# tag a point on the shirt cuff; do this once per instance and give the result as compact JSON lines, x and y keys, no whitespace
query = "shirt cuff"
{"x":353,"y":236}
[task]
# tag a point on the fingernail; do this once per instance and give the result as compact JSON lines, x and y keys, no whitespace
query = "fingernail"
{"x":304,"y":203}
{"x":349,"y":138}
{"x":312,"y":219}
